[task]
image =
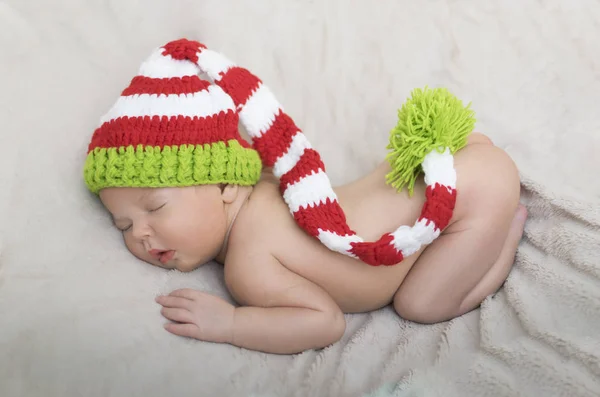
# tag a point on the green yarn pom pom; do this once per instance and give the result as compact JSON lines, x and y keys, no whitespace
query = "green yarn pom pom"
{"x":430,"y":119}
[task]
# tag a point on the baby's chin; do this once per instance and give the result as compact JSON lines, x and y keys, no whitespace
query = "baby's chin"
{"x":179,"y":264}
{"x":186,"y":268}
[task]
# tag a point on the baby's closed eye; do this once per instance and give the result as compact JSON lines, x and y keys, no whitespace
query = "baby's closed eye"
{"x":156,"y":208}
{"x":122,"y":224}
{"x":123,"y":228}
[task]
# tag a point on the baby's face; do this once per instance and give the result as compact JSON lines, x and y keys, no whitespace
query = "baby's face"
{"x":174,"y":228}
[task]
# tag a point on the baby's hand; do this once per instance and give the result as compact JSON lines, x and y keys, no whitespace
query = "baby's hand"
{"x":198,"y":315}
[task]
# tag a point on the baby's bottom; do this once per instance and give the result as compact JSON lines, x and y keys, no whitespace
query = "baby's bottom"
{"x":474,"y":254}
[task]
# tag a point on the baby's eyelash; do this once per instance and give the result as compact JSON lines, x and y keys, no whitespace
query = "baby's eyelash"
{"x":156,"y":209}
{"x":125,"y":229}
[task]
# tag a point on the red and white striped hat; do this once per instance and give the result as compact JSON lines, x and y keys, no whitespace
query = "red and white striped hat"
{"x":169,"y":127}
{"x":303,"y":182}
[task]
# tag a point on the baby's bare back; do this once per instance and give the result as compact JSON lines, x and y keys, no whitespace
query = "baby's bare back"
{"x":266,"y":229}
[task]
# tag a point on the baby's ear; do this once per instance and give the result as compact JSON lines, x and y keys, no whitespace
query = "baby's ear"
{"x":229,"y":193}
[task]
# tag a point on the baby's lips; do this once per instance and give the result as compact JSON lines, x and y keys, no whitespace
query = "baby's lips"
{"x":156,"y":253}
{"x":166,"y":256}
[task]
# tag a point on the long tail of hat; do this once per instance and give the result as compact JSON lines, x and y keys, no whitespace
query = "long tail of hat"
{"x":303,"y":182}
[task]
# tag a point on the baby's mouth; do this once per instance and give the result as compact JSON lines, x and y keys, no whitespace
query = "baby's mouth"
{"x":163,"y":256}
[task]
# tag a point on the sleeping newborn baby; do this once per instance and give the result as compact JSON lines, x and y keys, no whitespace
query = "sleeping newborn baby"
{"x":168,"y":162}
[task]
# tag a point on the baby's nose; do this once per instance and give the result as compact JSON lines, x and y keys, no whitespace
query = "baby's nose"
{"x":140,"y":231}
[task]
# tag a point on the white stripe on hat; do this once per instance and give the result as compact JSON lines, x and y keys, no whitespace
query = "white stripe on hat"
{"x":439,"y":168}
{"x":339,"y":243}
{"x":291,"y":157}
{"x":214,"y":63}
{"x":259,"y":111}
{"x":160,"y":66}
{"x":311,"y":190}
{"x":410,"y":239}
{"x":200,"y":104}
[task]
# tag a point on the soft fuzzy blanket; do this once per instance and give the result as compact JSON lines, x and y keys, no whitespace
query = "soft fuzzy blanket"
{"x":78,"y":316}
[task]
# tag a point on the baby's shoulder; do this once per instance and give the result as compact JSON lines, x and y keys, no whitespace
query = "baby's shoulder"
{"x":265,"y":207}
{"x":266,"y":226}
{"x":263,"y":217}
{"x":251,"y":261}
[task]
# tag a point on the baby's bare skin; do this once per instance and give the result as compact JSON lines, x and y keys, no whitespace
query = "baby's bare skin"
{"x":292,"y":291}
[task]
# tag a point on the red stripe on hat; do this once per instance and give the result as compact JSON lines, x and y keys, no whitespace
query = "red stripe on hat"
{"x":166,"y":86}
{"x":310,"y":162}
{"x":381,"y":252}
{"x":439,"y":205}
{"x":166,"y":131}
{"x":239,"y":84}
{"x":326,"y":216}
{"x":275,"y":142}
{"x":183,"y":49}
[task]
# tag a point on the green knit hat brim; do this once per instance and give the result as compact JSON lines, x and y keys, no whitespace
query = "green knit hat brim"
{"x":172,"y":166}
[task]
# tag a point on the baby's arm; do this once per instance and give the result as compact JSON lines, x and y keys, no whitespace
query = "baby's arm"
{"x":289,"y":314}
{"x":283,"y":312}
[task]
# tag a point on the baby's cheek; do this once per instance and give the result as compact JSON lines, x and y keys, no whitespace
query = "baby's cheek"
{"x":193,"y":227}
{"x":136,"y":249}
{"x":205,"y":241}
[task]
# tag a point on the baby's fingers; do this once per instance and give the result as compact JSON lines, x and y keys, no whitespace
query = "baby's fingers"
{"x":179,"y":315}
{"x":187,"y":330}
{"x":187,"y":293}
{"x":174,"y":301}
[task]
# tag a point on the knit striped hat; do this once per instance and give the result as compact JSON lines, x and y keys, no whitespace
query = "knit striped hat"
{"x":432,"y":126}
{"x":170,"y":128}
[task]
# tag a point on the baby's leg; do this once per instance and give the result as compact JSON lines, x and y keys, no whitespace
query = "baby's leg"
{"x":473,"y":256}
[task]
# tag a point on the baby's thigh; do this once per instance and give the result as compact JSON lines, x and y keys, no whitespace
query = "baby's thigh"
{"x":449,"y":268}
{"x":446,"y":272}
{"x":488,"y":184}
{"x":488,"y":192}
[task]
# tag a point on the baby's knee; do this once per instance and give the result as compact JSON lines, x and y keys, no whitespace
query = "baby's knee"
{"x":335,"y":328}
{"x":419,"y":308}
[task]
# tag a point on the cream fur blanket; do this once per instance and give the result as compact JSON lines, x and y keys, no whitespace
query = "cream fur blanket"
{"x":77,"y":311}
